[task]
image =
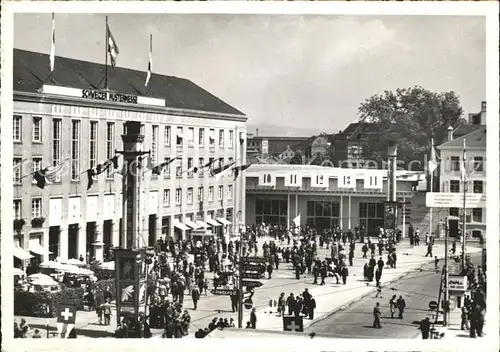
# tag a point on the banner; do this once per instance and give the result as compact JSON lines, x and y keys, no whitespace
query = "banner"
{"x":346,"y":179}
{"x":267,"y":179}
{"x":319,"y":180}
{"x":373,"y":181}
{"x":293,"y":180}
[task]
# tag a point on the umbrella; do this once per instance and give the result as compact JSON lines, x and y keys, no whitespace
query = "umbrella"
{"x":39,"y":276}
{"x":70,"y":269}
{"x":51,"y":265}
{"x":44,"y":282}
{"x":127,"y":293}
{"x":73,"y":261}
{"x":18,"y":272}
{"x":108,"y":266}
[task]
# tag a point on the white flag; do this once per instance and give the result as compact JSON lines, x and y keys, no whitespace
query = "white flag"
{"x":112,"y":47}
{"x":296,"y":220}
{"x":53,"y":45}
{"x":150,"y":63}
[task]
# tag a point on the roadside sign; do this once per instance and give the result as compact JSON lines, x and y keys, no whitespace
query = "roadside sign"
{"x":245,"y":275}
{"x":293,"y":323}
{"x":253,"y":260}
{"x":248,"y":304}
{"x":222,"y":292}
{"x":433,"y":305}
{"x":251,"y":283}
{"x":455,"y":200}
{"x":250,"y":267}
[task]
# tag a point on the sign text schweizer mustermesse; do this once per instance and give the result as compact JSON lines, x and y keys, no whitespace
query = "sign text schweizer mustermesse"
{"x":109,"y":96}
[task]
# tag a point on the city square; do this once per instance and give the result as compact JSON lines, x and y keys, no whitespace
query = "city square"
{"x":149,"y":205}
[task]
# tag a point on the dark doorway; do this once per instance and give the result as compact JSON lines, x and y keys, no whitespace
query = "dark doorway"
{"x":120,"y":236}
{"x":107,"y":238}
{"x":54,"y":232}
{"x":165,"y":226}
{"x":152,"y":230}
{"x":73,"y":241}
{"x":90,"y":239}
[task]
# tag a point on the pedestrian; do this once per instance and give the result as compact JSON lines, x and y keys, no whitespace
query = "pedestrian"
{"x":253,"y":319}
{"x":290,"y":302}
{"x":269,"y":270}
{"x":345,"y":273}
{"x":195,"y":295}
{"x":379,"y":291}
{"x":429,"y":250}
{"x":401,"y":306}
{"x":107,"y":312}
{"x":281,"y":304}
{"x":392,"y":306}
{"x":425,"y":327}
{"x":394,"y":259}
{"x":351,"y":257}
{"x":311,"y":306}
{"x":436,"y":264}
{"x":99,"y":311}
{"x":464,"y":324}
{"x":376,"y":316}
{"x":378,"y":276}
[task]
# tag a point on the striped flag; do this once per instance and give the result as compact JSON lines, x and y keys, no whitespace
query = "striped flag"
{"x":50,"y":174}
{"x":53,"y":45}
{"x":112,"y":47}
{"x":239,"y":169}
{"x":206,"y":167}
{"x":150,"y":63}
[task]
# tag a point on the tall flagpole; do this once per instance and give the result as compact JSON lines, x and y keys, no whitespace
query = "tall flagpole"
{"x":106,"y":47}
{"x":432,"y":189}
{"x":150,"y":59}
{"x":464,"y":180}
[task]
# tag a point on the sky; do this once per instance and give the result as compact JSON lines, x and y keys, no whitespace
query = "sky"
{"x":304,"y":73}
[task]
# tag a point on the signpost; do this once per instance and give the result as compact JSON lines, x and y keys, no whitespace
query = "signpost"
{"x":251,"y":283}
{"x":433,"y":305}
{"x":246,"y":275}
{"x":248,"y":303}
{"x":455,"y":200}
{"x":222,"y":292}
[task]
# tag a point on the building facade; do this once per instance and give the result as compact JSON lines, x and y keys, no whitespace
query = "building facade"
{"x":475,"y":180}
{"x":67,"y":120}
{"x":323,"y":196}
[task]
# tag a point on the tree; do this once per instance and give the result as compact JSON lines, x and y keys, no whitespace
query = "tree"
{"x":410,"y":117}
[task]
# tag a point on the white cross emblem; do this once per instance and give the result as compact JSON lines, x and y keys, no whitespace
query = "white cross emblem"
{"x":66,"y":314}
{"x":292,"y":326}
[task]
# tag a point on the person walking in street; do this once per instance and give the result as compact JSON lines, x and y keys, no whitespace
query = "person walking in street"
{"x":376,"y":316}
{"x":344,"y":272}
{"x":106,"y":308}
{"x":464,"y":324}
{"x":195,"y":295}
{"x":281,"y":304}
{"x":351,"y":257}
{"x":269,"y":270}
{"x":425,"y":328}
{"x":378,"y":276}
{"x":311,"y":306}
{"x":429,"y":250}
{"x":253,"y":319}
{"x":392,"y":306}
{"x":379,"y":291}
{"x":290,"y":302}
{"x":401,"y":304}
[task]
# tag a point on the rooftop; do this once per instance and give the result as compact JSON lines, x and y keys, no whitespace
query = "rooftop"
{"x":32,"y":70}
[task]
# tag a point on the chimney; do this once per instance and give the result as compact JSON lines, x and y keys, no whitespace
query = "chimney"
{"x":483,"y":113}
{"x":483,"y":106}
{"x":471,"y":118}
{"x":256,"y":132}
{"x":450,"y":133}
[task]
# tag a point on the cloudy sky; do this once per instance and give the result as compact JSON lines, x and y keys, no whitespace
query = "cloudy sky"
{"x":309,"y":72}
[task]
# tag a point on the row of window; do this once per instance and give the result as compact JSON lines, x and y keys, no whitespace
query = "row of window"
{"x":477,"y":186}
{"x":477,"y":214}
{"x":456,"y":161}
{"x":183,"y":135}
{"x":76,"y":172}
{"x":36,"y":203}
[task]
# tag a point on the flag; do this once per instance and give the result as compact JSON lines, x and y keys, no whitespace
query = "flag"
{"x":106,"y":165}
{"x":50,"y":173}
{"x":112,"y":47}
{"x":192,"y":169}
{"x":150,"y":63}
{"x":157,"y":169}
{"x":463,"y":164}
{"x":239,"y":169}
{"x":432,"y":160}
{"x":66,"y":319}
{"x":90,"y":176}
{"x":206,"y":166}
{"x":53,"y":45}
{"x":296,"y":221}
{"x":220,"y":171}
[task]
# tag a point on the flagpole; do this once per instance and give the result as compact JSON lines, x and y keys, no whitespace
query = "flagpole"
{"x":106,"y":47}
{"x":464,"y":209}
{"x":149,"y":63}
{"x":432,"y":189}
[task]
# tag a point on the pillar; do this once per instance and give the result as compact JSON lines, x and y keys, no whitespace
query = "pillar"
{"x":82,"y":240}
{"x":99,"y":243}
{"x":159,"y":218}
{"x":288,"y":211}
{"x":115,"y":233}
{"x":341,"y":212}
{"x":349,"y":214}
{"x":63,"y":242}
{"x":45,"y":244}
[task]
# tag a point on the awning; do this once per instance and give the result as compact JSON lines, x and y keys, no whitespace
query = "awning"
{"x":191,"y":224}
{"x":223,"y":221}
{"x":21,"y":253}
{"x":181,"y":226}
{"x":202,"y":224}
{"x":212,"y":222}
{"x":37,"y":248}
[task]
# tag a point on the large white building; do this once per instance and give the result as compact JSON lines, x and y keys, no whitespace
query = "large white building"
{"x":68,"y":118}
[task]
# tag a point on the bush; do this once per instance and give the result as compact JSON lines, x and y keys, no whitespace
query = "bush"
{"x":35,"y":303}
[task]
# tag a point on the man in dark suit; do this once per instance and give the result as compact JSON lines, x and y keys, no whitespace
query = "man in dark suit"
{"x":253,"y":319}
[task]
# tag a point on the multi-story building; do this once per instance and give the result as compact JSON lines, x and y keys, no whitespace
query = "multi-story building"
{"x":323,"y":196}
{"x":475,"y":181}
{"x":68,"y":118}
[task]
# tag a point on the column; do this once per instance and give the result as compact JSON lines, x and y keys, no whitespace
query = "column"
{"x":297,"y":205}
{"x":349,"y":214}
{"x":45,"y":244}
{"x":98,"y":240}
{"x":158,"y":234}
{"x":341,"y":212}
{"x":115,"y":233}
{"x":82,"y":240}
{"x":63,"y":242}
{"x":288,"y":211}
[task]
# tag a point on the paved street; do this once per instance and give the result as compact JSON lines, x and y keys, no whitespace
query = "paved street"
{"x":417,"y":288}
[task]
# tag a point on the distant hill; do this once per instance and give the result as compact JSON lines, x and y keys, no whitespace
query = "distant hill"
{"x":281,"y":130}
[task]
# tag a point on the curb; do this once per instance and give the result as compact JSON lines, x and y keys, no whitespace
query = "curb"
{"x":354,"y":300}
